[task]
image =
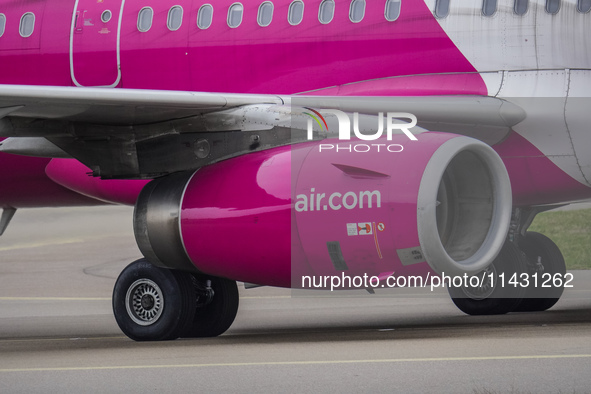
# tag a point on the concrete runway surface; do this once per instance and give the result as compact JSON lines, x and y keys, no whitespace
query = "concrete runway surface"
{"x":57,"y":332}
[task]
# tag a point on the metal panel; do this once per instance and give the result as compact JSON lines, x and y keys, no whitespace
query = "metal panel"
{"x":508,"y":41}
{"x":578,"y":118}
{"x":542,"y":95}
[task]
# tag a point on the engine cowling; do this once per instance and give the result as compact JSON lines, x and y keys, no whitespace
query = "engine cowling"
{"x":439,"y":204}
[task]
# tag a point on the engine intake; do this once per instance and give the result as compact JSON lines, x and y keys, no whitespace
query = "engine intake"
{"x":472,"y":209}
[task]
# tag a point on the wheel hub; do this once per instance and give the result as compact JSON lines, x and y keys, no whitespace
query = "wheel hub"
{"x":144,"y":302}
{"x":486,"y":286}
{"x":148,"y":302}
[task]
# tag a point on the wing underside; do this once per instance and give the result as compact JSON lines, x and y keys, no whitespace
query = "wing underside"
{"x":132,"y":133}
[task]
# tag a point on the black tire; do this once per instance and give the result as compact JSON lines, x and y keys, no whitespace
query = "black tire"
{"x":543,"y":256}
{"x":217,"y":316}
{"x":496,"y":299}
{"x":164,"y":306}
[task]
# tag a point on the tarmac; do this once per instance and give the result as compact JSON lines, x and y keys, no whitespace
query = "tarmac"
{"x":57,"y":332}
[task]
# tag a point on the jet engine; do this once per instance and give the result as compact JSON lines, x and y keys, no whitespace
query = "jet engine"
{"x":441,"y":204}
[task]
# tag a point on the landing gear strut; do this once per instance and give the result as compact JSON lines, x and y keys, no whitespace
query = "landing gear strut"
{"x":152,"y":303}
{"x":216,"y":308}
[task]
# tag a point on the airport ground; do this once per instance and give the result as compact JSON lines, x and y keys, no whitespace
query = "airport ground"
{"x":57,"y":332}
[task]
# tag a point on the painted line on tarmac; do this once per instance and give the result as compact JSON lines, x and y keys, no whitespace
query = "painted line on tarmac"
{"x":52,"y":242}
{"x":311,"y":362}
{"x":41,"y":244}
{"x":74,"y":339}
{"x":107,"y":298}
{"x":55,"y":298}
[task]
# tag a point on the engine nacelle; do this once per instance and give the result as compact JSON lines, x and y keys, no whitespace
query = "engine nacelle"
{"x":442,"y":203}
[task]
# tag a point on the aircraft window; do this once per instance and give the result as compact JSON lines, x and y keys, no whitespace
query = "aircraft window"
{"x":441,"y":8}
{"x":296,"y":12}
{"x":27,"y":24}
{"x":144,"y":19}
{"x":235,"y":15}
{"x":204,"y":16}
{"x":357,"y":10}
{"x":552,"y":6}
{"x":520,"y":7}
{"x":265,"y":15}
{"x":175,"y":18}
{"x":489,"y":7}
{"x":2,"y":24}
{"x":392,"y":11}
{"x":106,"y":16}
{"x":582,"y":5}
{"x":326,"y":11}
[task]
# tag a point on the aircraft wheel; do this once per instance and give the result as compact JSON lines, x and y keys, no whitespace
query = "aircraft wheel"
{"x":216,"y":306}
{"x":152,"y":303}
{"x":491,"y":298}
{"x":545,"y":260}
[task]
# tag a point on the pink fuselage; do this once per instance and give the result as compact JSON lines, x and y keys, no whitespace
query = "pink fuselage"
{"x":411,"y":56}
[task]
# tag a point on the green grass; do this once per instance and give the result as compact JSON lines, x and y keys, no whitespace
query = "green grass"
{"x":571,"y":230}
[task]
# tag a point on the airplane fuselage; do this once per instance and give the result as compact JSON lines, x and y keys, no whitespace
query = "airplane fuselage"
{"x":71,"y":45}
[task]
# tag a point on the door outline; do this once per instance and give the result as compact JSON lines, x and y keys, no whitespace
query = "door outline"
{"x":118,"y":48}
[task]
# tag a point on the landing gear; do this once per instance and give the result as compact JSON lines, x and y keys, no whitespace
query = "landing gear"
{"x":216,"y":308}
{"x":490,"y":297}
{"x":148,"y":305}
{"x":545,"y":260}
{"x":152,"y":303}
{"x":536,"y":262}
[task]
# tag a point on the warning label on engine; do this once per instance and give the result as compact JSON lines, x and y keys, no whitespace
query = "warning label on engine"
{"x":364,"y":228}
{"x":411,"y":255}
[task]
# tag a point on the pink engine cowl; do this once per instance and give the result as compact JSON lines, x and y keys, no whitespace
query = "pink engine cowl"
{"x":442,"y":203}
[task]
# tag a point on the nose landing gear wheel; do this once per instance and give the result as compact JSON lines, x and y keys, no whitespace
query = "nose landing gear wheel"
{"x":546,"y":260}
{"x":152,"y":303}
{"x":491,"y":298}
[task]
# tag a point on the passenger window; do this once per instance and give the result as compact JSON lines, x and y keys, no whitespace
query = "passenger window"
{"x":520,"y":7}
{"x":175,"y":18}
{"x":2,"y":24}
{"x":441,"y":8}
{"x":27,"y":24}
{"x":357,"y":11}
{"x":204,"y":16}
{"x":296,"y":12}
{"x":392,"y":11}
{"x":489,"y":7}
{"x":552,"y":6}
{"x":326,"y":11}
{"x":235,"y":15}
{"x":582,"y":5}
{"x":265,"y":15}
{"x":144,"y":19}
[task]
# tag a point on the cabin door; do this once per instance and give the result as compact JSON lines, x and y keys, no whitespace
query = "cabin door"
{"x":95,"y":39}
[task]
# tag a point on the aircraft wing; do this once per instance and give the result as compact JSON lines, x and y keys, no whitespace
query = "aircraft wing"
{"x":117,"y":106}
{"x":133,"y":133}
